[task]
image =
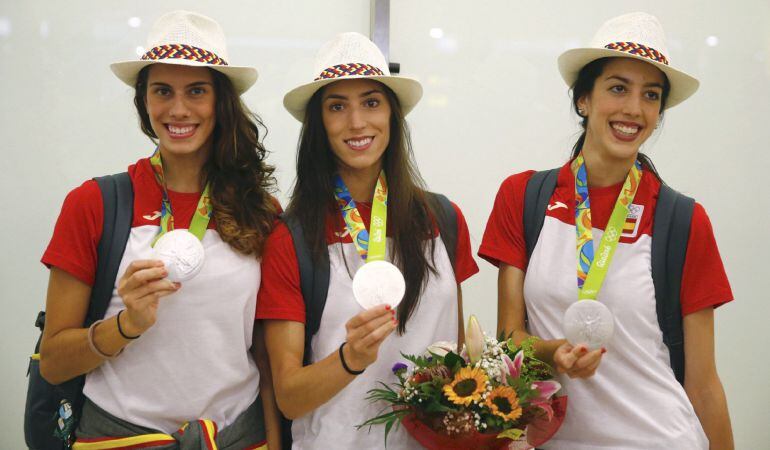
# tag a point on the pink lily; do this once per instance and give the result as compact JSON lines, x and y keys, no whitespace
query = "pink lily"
{"x":474,"y":340}
{"x":545,"y":390}
{"x":513,"y":366}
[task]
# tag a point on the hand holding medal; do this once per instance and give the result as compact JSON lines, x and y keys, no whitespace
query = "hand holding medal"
{"x":378,"y":281}
{"x":589,"y":321}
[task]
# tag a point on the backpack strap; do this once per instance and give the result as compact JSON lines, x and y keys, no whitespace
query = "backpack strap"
{"x":670,"y":233}
{"x":43,"y":399}
{"x":118,"y":200}
{"x":446,"y":219}
{"x":536,"y":196}
{"x":118,"y":205}
{"x":313,"y":279}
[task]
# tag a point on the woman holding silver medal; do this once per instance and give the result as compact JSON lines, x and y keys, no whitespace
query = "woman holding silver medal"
{"x":177,"y":360}
{"x":623,"y":393}
{"x":356,"y":183}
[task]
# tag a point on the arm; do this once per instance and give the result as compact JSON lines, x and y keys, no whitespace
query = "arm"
{"x":64,"y":351}
{"x":301,"y":389}
{"x":701,"y":381}
{"x":269,"y":407}
{"x":576,"y":362}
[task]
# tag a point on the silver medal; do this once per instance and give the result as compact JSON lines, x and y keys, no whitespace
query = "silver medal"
{"x":588,"y":322}
{"x":378,"y":282}
{"x":182,"y":254}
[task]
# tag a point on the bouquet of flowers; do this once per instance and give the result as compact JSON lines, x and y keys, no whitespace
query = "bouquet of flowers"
{"x":491,"y":395}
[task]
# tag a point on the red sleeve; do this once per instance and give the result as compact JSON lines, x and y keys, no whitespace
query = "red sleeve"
{"x":503,"y":239}
{"x":77,"y":233}
{"x":465,"y":265}
{"x":280,"y":295}
{"x":704,"y":282}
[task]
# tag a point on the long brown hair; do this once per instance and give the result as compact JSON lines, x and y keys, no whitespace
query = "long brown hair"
{"x":241,"y":181}
{"x":410,"y":217}
{"x":583,"y":86}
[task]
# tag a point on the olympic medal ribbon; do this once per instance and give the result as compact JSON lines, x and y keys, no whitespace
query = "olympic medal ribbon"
{"x":203,"y":211}
{"x":369,"y":243}
{"x":592,"y":269}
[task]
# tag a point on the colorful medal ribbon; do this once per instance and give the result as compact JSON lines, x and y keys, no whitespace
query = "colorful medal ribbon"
{"x":202,"y":215}
{"x":370,"y":244}
{"x":590,"y":271}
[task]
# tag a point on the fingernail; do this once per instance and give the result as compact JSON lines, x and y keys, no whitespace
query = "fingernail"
{"x":395,"y":322}
{"x":164,"y":273}
{"x":604,"y":350}
{"x":583,"y":350}
{"x":387,"y":307}
{"x":177,"y":284}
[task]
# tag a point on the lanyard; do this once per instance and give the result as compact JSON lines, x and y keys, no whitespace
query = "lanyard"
{"x":202,"y":215}
{"x":370,"y":244}
{"x":591,"y":271}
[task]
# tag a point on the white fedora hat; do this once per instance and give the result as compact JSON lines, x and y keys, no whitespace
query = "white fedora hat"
{"x":188,"y":39}
{"x":349,"y":56}
{"x":635,"y":35}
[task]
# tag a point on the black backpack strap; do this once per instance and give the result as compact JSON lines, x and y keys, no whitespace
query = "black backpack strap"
{"x":536,"y":196}
{"x":670,"y":233}
{"x":446,"y":219}
{"x":118,"y":200}
{"x":314,"y":281}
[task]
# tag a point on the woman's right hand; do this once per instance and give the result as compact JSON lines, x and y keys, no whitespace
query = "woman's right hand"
{"x":141,"y":287}
{"x":365,"y":332}
{"x":577,"y":361}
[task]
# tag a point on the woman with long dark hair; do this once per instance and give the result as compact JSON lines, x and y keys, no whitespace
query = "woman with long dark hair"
{"x":357,"y":183}
{"x":177,"y":360}
{"x":623,"y":389}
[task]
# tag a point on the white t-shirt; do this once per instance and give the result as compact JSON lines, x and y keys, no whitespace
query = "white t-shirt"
{"x":194,"y":362}
{"x":633,"y":402}
{"x":333,"y":424}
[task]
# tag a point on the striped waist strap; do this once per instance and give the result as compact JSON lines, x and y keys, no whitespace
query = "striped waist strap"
{"x":99,"y":430}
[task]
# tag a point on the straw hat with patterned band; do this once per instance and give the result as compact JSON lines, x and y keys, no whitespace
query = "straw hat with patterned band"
{"x":350,"y":56}
{"x":636,"y":35}
{"x":187,"y":39}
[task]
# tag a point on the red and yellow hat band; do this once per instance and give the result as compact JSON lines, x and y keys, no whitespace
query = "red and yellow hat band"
{"x":639,"y":50}
{"x":346,"y":70}
{"x":183,"y":51}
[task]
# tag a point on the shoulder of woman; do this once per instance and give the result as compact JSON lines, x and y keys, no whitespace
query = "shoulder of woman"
{"x":86,"y":196}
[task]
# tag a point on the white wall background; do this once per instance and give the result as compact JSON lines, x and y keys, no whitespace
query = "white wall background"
{"x":494,"y":105}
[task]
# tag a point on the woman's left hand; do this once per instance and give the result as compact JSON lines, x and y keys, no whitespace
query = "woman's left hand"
{"x":577,"y":361}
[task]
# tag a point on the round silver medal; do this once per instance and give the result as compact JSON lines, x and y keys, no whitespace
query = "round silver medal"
{"x":588,"y":322}
{"x":378,"y":282}
{"x":182,"y":254}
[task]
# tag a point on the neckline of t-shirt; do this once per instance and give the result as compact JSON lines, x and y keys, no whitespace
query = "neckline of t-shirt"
{"x":605,"y":191}
{"x":184,"y":196}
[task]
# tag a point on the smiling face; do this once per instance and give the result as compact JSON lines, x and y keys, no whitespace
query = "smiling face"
{"x":180,"y":104}
{"x":356,"y":115}
{"x":622,"y":108}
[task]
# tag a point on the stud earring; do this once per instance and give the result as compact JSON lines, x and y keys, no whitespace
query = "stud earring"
{"x":581,"y":112}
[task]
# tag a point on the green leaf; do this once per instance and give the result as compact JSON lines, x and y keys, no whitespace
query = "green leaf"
{"x":511,"y":433}
{"x":454,"y":361}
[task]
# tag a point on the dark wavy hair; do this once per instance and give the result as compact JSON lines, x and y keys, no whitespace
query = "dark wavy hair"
{"x":410,"y":212}
{"x":583,"y":86}
{"x":242,"y":182}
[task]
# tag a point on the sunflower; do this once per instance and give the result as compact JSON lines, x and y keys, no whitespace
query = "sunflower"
{"x":504,"y":402}
{"x":467,"y":386}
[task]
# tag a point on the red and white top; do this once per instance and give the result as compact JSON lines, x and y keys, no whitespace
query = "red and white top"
{"x":333,"y":425}
{"x":195,"y":361}
{"x":633,"y":401}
